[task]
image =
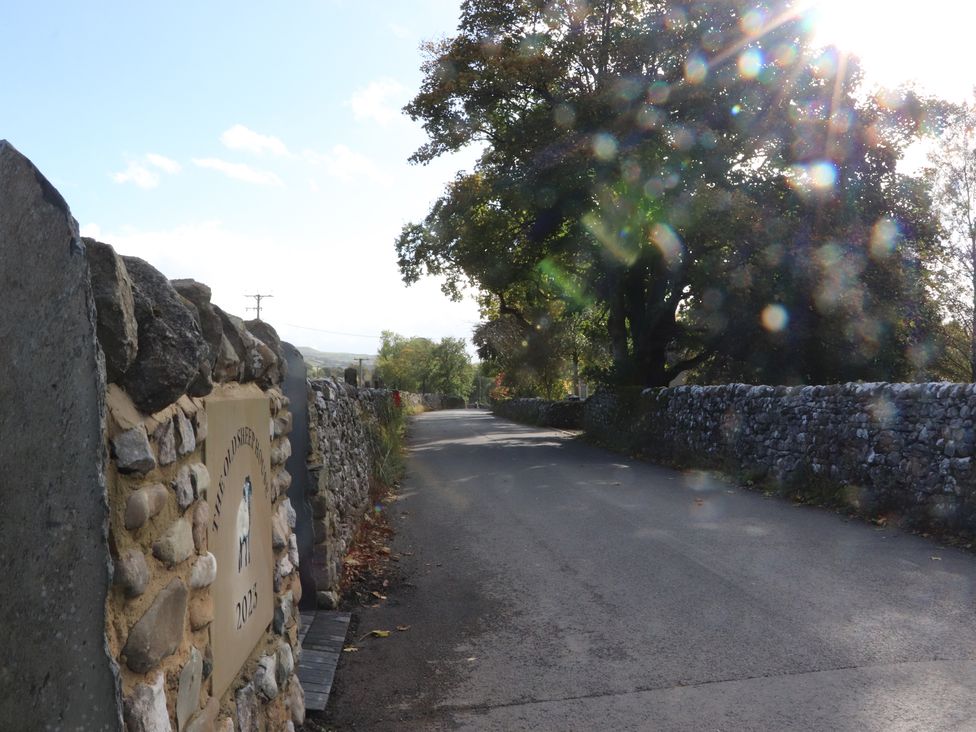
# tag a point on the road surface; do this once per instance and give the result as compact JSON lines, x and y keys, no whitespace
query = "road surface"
{"x":551,"y":585}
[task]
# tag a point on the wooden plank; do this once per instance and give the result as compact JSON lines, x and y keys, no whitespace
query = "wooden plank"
{"x":323,"y":635}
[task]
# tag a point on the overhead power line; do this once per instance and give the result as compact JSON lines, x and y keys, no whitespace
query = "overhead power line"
{"x":333,"y":332}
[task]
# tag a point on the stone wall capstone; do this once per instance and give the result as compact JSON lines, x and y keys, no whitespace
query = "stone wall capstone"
{"x":54,"y":557}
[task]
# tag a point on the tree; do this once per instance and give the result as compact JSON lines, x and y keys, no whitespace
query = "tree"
{"x":681,"y":168}
{"x":420,"y":365}
{"x":952,"y":177}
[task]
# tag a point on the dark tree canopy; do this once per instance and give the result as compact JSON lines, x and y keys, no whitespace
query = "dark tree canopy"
{"x":693,"y":171}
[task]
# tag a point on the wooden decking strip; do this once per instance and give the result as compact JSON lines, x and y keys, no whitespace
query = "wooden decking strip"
{"x":322,"y":635}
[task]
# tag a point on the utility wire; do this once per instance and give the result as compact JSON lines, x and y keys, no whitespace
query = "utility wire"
{"x":332,"y":332}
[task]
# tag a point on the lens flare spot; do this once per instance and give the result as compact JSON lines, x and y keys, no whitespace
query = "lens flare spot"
{"x":736,"y":110}
{"x":696,"y":69}
{"x":753,"y":22}
{"x":604,"y":146}
{"x":784,"y":54}
{"x":884,"y":237}
{"x":665,"y":238}
{"x":823,"y":175}
{"x":564,"y":115}
{"x":774,"y":318}
{"x":750,"y":64}
{"x":658,"y":92}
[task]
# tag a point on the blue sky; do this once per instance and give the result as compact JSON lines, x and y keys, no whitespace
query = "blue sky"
{"x":255,"y":148}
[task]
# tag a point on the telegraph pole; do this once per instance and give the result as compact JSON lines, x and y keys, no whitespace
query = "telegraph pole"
{"x":361,"y":382}
{"x":257,"y":303}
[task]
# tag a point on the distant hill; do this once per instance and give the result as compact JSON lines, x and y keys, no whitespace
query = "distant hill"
{"x":329,"y":360}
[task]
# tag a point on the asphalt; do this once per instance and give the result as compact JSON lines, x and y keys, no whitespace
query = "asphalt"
{"x":551,"y":585}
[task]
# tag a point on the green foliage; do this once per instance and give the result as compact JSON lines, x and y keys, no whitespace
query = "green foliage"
{"x":952,"y":179}
{"x":389,"y":441}
{"x":420,"y":365}
{"x":673,"y":171}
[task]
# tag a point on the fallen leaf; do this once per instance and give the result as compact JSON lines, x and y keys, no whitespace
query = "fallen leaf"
{"x":384,"y":550}
{"x":349,"y":649}
{"x":402,"y":628}
{"x":936,"y":559}
{"x":352,"y":562}
{"x":374,"y":593}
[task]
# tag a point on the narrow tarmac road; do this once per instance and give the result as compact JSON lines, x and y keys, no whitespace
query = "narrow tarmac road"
{"x":551,"y":585}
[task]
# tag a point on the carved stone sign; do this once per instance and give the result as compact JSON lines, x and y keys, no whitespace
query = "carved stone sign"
{"x":238,"y":450}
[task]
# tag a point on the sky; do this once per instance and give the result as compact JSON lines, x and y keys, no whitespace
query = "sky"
{"x":260,"y":148}
{"x":255,"y":147}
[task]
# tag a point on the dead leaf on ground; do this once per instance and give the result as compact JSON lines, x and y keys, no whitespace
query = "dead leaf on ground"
{"x":402,"y":628}
{"x":374,"y":593}
{"x":936,"y":559}
{"x":349,"y":649}
{"x":376,"y":634}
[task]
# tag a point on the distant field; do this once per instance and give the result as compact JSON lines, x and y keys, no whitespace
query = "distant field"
{"x":329,"y":360}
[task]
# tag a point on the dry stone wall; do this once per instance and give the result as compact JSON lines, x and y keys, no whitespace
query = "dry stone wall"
{"x":343,"y":447}
{"x":901,"y":448}
{"x":566,"y":414}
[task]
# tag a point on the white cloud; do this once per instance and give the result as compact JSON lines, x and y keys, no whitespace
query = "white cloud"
{"x":239,"y":171}
{"x":163,"y":163}
{"x":379,"y":101}
{"x":240,"y":137}
{"x":138,"y":175}
{"x":93,"y":231}
{"x":349,"y":165}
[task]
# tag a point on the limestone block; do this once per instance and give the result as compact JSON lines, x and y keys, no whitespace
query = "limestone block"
{"x":279,"y":533}
{"x":206,"y":719}
{"x":288,"y":513}
{"x":204,"y":571}
{"x":201,"y":480}
{"x":285,"y":664}
{"x":201,"y":521}
{"x":246,"y":701}
{"x":132,"y":573}
{"x":171,"y":345}
{"x":200,"y":422}
{"x":201,"y":610}
{"x":188,"y":692}
{"x":296,"y":700}
{"x":176,"y":544}
{"x":293,"y":549}
{"x":132,"y":451}
{"x":143,"y":504}
{"x":264,"y":677}
{"x":186,"y":441}
{"x":112,"y":289}
{"x":145,"y":709}
{"x":198,"y":294}
{"x":158,"y":632}
{"x":183,"y":487}
{"x":165,"y":439}
{"x":228,"y":366}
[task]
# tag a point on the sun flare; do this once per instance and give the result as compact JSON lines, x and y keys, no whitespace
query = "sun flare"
{"x":901,"y":41}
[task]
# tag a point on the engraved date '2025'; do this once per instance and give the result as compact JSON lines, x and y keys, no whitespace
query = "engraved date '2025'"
{"x":246,"y":605}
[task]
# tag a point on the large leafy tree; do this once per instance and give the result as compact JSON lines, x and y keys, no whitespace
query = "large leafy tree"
{"x":952,"y":177}
{"x":691,"y":169}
